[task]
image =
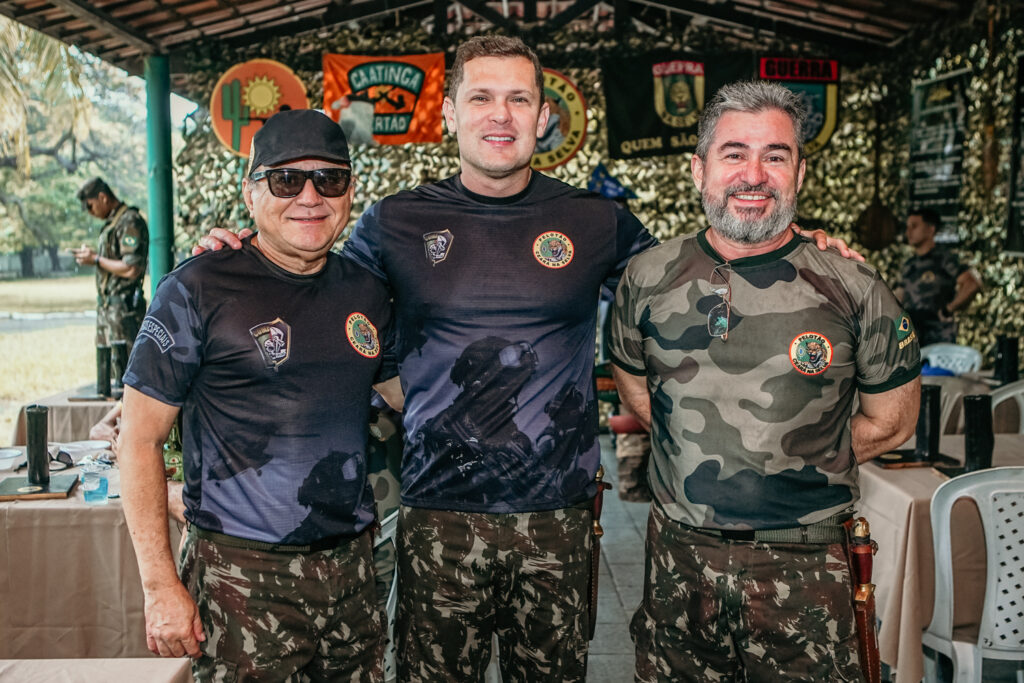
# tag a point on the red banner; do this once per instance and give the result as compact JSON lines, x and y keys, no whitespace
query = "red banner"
{"x":388,"y":100}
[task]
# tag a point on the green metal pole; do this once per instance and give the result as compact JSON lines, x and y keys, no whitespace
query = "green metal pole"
{"x":161,"y":182}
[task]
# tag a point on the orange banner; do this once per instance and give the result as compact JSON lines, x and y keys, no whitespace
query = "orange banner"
{"x":247,"y":95}
{"x":387,"y":100}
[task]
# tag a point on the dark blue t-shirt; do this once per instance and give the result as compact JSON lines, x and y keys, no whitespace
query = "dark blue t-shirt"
{"x":273,"y":372}
{"x":495,"y":310}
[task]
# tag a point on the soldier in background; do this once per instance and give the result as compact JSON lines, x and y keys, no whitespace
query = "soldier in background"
{"x":933,"y":282}
{"x":120,"y":264}
{"x":743,"y":348}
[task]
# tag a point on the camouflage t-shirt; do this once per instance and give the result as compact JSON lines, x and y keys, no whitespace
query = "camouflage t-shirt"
{"x":929,"y":283}
{"x":754,"y":431}
{"x":273,"y":373}
{"x":124,"y":237}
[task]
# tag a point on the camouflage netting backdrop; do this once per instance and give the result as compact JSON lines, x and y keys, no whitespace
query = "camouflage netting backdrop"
{"x":840,"y":179}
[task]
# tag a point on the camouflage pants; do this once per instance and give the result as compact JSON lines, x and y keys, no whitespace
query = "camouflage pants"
{"x":271,"y":616}
{"x":118,"y":322}
{"x":632,"y":452}
{"x":464,"y":576}
{"x":721,"y":610}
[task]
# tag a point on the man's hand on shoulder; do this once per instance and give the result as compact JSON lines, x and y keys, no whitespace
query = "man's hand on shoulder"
{"x":218,"y":238}
{"x":823,"y":242}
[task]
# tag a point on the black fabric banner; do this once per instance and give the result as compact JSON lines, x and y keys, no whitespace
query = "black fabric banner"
{"x":938,"y":122}
{"x":654,"y":100}
{"x":1015,"y":217}
{"x":816,"y":81}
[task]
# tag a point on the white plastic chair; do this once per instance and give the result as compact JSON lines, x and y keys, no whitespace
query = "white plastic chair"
{"x":953,"y":357}
{"x":999,"y":495}
{"x":387,"y":555}
{"x":1012,"y":391}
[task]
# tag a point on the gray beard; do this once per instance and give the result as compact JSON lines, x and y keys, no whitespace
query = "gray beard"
{"x":752,"y":230}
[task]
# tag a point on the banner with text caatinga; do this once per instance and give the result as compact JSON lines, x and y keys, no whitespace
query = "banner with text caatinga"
{"x":654,"y":100}
{"x":385,"y":100}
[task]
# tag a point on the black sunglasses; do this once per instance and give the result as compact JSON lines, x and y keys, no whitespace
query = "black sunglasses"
{"x":288,"y":182}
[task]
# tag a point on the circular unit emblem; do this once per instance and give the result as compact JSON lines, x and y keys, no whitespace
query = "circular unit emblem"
{"x":810,"y":353}
{"x":247,"y":95}
{"x":362,"y":335}
{"x":553,"y":250}
{"x":567,"y":123}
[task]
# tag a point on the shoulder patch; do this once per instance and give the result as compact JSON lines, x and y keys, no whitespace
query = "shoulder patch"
{"x":362,"y":335}
{"x":274,"y":340}
{"x":129,"y":240}
{"x":810,"y":353}
{"x":553,"y":249}
{"x":904,"y":331}
{"x":158,"y":332}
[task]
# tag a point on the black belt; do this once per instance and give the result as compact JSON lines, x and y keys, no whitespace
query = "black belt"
{"x":327,"y":543}
{"x":826,"y":531}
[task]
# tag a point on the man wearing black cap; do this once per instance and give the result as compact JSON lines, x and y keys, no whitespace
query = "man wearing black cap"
{"x":269,"y":353}
{"x":120,"y":264}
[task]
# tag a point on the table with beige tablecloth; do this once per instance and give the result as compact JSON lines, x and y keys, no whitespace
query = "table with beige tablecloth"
{"x":896,"y":503}
{"x":69,"y":583}
{"x":67,"y":420}
{"x":149,"y":670}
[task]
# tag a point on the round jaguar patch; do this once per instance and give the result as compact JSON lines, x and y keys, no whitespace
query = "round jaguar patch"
{"x":810,"y":353}
{"x":553,"y":250}
{"x":362,"y":335}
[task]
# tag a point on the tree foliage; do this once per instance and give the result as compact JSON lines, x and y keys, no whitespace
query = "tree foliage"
{"x":65,"y":117}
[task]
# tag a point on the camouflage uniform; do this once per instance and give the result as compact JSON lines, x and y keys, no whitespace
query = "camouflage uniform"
{"x":120,"y":302}
{"x":632,"y":452}
{"x":247,"y":600}
{"x":515,"y":574}
{"x":752,"y":432}
{"x":690,"y":576}
{"x":929,"y":283}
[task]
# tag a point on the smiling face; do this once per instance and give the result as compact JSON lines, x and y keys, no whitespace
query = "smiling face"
{"x":297,"y":232}
{"x":750,"y":176}
{"x":497,"y":114}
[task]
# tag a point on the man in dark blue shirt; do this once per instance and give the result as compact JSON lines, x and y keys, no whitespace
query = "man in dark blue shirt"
{"x":269,"y":353}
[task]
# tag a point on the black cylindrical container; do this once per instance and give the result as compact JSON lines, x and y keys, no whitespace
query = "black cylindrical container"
{"x":103,"y":370}
{"x":1007,"y":365}
{"x":978,"y":438}
{"x":119,"y":357}
{"x":38,"y":456}
{"x":928,"y":429}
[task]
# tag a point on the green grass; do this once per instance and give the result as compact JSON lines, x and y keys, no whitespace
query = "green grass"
{"x":44,"y":362}
{"x":46,"y":296}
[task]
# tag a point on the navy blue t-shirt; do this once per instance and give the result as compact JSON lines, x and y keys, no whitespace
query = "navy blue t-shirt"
{"x":273,"y":373}
{"x":495,"y":309}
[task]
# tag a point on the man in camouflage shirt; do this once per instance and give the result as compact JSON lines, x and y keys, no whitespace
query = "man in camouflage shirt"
{"x":933,"y":282}
{"x":744,"y":349}
{"x":120,"y":264}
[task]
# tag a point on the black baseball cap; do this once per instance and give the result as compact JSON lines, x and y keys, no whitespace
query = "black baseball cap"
{"x":298,"y":134}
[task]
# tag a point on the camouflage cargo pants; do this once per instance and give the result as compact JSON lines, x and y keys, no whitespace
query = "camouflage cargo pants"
{"x":464,"y":576}
{"x":117,"y":321}
{"x":271,"y":616}
{"x":721,"y":610}
{"x":632,"y":452}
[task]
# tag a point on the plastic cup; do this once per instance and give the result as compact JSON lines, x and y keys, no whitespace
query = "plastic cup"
{"x":94,"y":487}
